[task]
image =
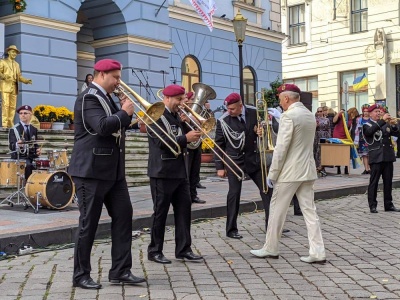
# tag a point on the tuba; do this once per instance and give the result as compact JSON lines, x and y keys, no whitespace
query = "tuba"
{"x":202,"y":93}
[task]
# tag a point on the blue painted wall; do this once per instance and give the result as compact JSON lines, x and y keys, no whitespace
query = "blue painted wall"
{"x":49,"y":56}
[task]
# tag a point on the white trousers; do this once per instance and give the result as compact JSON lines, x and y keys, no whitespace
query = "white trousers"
{"x":281,"y":197}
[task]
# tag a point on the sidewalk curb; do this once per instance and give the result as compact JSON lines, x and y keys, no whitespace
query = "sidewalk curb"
{"x":65,"y":235}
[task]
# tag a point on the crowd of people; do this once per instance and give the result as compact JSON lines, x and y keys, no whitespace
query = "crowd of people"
{"x":97,"y":167}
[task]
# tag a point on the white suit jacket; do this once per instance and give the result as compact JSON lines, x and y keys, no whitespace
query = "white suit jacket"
{"x":293,"y":158}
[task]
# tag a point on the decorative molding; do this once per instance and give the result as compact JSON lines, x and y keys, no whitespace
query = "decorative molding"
{"x":248,"y":7}
{"x":131,"y":39}
{"x":86,"y":56}
{"x":183,"y":14}
{"x":21,"y":18}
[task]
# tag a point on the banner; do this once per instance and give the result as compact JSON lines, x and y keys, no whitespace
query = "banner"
{"x":205,"y":9}
{"x":360,"y":82}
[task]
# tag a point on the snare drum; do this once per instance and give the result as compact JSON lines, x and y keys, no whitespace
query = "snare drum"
{"x":41,"y":163}
{"x":58,"y":159}
{"x":9,"y":169}
{"x":54,"y":189}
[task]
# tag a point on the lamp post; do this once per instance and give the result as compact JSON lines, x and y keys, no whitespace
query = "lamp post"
{"x":239,"y":26}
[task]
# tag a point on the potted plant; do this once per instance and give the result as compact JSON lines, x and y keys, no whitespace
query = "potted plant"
{"x":207,"y":154}
{"x":63,"y":114}
{"x":46,"y":114}
{"x":71,"y":121}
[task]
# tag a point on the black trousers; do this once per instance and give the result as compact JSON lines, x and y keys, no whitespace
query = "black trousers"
{"x":92,"y":193}
{"x":296,"y":205}
{"x":194,"y":170}
{"x":386,"y":170}
{"x":233,"y":199}
{"x":164,"y":193}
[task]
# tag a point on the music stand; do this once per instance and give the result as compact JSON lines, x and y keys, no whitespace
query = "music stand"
{"x":18,"y":193}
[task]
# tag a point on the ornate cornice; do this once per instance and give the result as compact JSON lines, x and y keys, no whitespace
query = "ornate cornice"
{"x":131,"y":39}
{"x":86,"y":55}
{"x":21,"y":18}
{"x":184,"y":14}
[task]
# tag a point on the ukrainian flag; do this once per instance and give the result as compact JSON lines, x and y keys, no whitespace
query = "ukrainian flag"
{"x":360,"y":82}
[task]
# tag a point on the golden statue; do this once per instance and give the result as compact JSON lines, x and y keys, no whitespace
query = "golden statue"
{"x":10,"y":75}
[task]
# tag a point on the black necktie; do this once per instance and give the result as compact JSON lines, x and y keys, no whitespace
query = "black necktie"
{"x":27,"y":135}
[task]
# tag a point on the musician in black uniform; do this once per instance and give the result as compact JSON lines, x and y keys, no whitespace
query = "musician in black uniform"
{"x":97,"y":168}
{"x":377,"y":133}
{"x":194,"y":153}
{"x":169,"y":182}
{"x":22,"y":132}
{"x":236,"y":134}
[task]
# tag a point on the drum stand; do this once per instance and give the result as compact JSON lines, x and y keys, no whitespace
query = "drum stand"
{"x":19,"y":193}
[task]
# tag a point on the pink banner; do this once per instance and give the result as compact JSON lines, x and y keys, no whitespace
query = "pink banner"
{"x":205,"y":9}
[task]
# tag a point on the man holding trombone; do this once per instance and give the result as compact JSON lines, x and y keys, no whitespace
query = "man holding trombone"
{"x":236,"y":134}
{"x":168,"y":172}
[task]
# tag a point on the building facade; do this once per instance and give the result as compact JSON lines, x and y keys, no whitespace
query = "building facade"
{"x":158,"y":43}
{"x":330,"y":43}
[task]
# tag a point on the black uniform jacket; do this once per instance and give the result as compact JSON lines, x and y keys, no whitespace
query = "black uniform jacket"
{"x":248,"y":159}
{"x":162,"y":162}
{"x":97,"y":153}
{"x":380,"y":149}
{"x":12,"y":140}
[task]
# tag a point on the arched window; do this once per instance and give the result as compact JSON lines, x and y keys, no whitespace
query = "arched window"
{"x":249,"y":85}
{"x":190,"y":70}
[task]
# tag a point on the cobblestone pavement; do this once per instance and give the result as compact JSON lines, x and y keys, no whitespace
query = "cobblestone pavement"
{"x":363,"y":252}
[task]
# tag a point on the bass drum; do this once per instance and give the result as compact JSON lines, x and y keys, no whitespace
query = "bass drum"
{"x":55,"y":189}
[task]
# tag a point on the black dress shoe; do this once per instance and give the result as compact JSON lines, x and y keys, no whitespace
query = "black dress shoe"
{"x":128,"y":278}
{"x":198,"y":200}
{"x":298,"y":213}
{"x":392,"y":209}
{"x":88,"y":284}
{"x":200,"y":186}
{"x":234,"y":235}
{"x":373,"y":211}
{"x":190,"y":256}
{"x":158,"y":258}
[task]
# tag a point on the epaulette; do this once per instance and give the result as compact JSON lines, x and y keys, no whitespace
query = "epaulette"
{"x":223,"y":116}
{"x":92,"y":91}
{"x":369,"y":124}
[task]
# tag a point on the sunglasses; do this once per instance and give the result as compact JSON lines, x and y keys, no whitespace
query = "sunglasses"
{"x":24,"y":113}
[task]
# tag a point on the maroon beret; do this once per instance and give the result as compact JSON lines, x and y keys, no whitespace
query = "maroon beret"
{"x":174,"y":90}
{"x":288,"y":87}
{"x":107,"y":64}
{"x":373,"y":107}
{"x":232,"y":98}
{"x":189,"y":95}
{"x":24,"y":107}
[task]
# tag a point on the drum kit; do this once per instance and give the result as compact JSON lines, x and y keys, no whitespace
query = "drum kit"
{"x":48,"y":186}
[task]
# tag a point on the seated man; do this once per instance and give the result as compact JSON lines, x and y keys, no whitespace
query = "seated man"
{"x":19,"y":135}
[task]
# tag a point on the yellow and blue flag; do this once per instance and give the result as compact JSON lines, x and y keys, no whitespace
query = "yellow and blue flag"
{"x":360,"y":82}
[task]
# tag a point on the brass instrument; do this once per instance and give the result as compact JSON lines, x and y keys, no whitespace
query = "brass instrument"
{"x":152,"y":112}
{"x":264,"y":142}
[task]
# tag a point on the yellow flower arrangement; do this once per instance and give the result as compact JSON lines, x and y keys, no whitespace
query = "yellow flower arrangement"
{"x":71,"y":117}
{"x":45,"y":113}
{"x":206,"y":145}
{"x":63,"y":114}
{"x":49,"y":113}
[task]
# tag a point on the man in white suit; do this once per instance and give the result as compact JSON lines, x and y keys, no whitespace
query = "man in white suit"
{"x":292,"y":172}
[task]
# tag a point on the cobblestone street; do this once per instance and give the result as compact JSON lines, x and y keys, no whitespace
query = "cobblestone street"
{"x":363,"y":252}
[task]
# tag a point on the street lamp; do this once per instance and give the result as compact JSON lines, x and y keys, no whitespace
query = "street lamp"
{"x":239,"y":26}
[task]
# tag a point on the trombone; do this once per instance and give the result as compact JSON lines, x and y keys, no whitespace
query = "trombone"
{"x":152,"y":112}
{"x":205,"y":127}
{"x":264,"y":146}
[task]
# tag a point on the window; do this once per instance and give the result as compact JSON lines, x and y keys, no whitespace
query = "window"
{"x":359,"y":15}
{"x":356,"y":99}
{"x":297,"y":25}
{"x":190,"y":69}
{"x":308,"y":84}
{"x":249,"y":86}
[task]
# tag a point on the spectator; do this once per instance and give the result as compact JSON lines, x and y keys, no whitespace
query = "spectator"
{"x":88,"y":80}
{"x":359,"y":140}
{"x":323,"y":131}
{"x":330,"y":115}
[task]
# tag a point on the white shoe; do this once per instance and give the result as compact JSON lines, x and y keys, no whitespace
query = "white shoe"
{"x":313,"y":260}
{"x":264,"y":253}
